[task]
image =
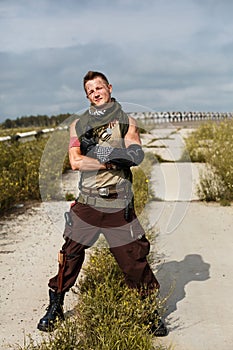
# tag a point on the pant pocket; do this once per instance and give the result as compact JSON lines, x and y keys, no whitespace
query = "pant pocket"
{"x":139,"y":249}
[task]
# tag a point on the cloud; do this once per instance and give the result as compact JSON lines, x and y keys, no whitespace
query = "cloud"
{"x":162,"y":54}
{"x":48,"y":81}
{"x":42,"y":24}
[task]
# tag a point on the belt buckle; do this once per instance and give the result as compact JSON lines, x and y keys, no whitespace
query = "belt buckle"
{"x":103,"y":191}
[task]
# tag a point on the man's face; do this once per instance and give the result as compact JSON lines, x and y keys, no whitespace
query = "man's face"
{"x":98,"y":92}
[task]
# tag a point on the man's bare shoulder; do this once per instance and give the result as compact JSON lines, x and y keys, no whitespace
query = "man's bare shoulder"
{"x":74,"y":123}
{"x":73,"y":128}
{"x":132,"y":121}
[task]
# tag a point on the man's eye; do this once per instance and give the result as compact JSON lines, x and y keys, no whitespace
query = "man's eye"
{"x":91,"y":92}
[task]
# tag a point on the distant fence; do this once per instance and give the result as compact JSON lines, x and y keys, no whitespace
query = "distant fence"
{"x":147,"y":117}
{"x":172,"y":117}
{"x":30,"y":135}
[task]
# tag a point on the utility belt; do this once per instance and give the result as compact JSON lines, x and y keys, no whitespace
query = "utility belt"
{"x":103,"y":202}
{"x":103,"y":191}
{"x":105,"y":197}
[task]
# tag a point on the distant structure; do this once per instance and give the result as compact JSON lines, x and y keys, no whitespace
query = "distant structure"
{"x":31,"y":135}
{"x":171,"y":117}
{"x":147,"y":117}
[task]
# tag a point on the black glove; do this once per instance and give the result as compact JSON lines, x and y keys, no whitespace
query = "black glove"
{"x":121,"y":157}
{"x":88,"y":141}
{"x":101,"y":153}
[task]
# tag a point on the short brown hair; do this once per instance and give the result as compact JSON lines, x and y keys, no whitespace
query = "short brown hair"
{"x":92,"y":75}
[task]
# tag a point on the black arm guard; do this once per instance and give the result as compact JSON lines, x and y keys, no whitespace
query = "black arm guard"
{"x":122,"y":157}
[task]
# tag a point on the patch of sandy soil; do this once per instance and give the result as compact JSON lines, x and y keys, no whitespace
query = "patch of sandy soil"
{"x":28,"y":255}
{"x":30,"y":238}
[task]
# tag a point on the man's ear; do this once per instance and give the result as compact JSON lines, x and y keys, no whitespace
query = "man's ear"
{"x":110,"y":88}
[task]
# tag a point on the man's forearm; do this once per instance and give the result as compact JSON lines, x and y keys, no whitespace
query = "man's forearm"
{"x":84,"y":163}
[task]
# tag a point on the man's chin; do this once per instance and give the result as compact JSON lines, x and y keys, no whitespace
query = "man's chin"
{"x":101,"y":104}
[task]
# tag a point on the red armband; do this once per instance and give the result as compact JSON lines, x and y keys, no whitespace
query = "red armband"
{"x":74,"y":142}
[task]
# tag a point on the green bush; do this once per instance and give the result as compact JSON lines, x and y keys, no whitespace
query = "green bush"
{"x":211,"y":186}
{"x":20,"y":168}
{"x":199,"y":141}
{"x":141,"y":182}
{"x":19,"y":171}
{"x":111,"y":315}
{"x":212,"y":143}
{"x":54,"y":161}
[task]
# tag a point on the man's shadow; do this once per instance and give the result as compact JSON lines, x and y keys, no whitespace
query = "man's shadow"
{"x":174,"y":275}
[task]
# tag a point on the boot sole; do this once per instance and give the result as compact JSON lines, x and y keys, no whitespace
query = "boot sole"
{"x":161,"y":331}
{"x":43,"y":328}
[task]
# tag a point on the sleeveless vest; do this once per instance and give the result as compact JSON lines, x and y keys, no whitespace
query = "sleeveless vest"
{"x":105,"y":178}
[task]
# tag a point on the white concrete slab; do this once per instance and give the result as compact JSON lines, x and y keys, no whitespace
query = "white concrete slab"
{"x":176,"y":181}
{"x":194,"y":266}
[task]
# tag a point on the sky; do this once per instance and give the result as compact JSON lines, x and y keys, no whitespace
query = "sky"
{"x":163,"y":55}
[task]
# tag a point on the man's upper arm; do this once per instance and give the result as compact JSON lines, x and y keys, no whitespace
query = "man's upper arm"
{"x":74,"y":146}
{"x":73,"y":128}
{"x":74,"y":141}
{"x":132,"y":136}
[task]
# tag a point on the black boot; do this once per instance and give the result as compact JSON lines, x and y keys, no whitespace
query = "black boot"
{"x":54,"y":312}
{"x":158,"y":327}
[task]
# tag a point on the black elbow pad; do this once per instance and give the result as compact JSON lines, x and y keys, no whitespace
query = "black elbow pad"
{"x":127,"y":157}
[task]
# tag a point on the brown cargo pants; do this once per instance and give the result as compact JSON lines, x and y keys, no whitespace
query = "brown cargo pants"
{"x":126,"y":240}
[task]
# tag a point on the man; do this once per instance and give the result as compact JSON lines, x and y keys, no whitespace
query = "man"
{"x":104,"y":144}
